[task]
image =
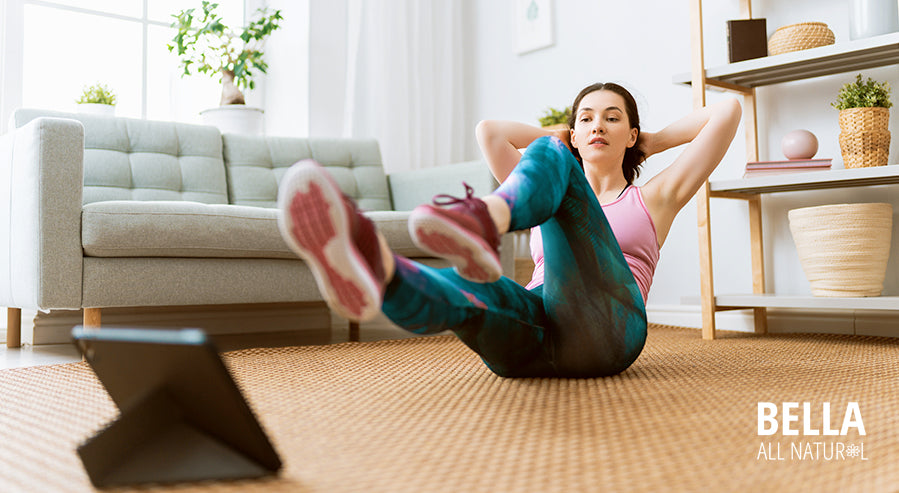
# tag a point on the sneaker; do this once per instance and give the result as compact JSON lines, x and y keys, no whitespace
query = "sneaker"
{"x":339,"y":244}
{"x":461,"y":231}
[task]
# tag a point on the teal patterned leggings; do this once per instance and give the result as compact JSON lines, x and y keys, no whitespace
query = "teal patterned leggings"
{"x":588,"y":319}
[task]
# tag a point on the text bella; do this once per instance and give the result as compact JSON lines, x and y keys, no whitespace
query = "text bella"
{"x":788,"y":420}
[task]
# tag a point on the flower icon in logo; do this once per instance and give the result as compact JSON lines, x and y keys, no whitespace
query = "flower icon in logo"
{"x":852,"y":451}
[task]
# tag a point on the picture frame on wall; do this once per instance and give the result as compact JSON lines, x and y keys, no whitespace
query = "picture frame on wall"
{"x":533,"y":25}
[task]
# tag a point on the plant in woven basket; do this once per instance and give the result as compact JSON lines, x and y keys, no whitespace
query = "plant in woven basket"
{"x":207,"y":46}
{"x":864,"y":122}
{"x":863,"y":94}
{"x":555,"y":118}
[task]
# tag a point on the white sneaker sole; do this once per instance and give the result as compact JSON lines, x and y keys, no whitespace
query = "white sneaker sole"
{"x":315,"y":224}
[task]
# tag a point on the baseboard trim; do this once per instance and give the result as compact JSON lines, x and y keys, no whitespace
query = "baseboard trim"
{"x":781,"y":321}
{"x":55,"y":327}
{"x":784,"y":321}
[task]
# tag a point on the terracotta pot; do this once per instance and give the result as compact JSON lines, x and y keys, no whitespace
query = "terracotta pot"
{"x":865,"y":137}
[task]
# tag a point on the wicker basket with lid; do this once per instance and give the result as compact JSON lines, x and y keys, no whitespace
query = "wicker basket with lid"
{"x":801,"y":36}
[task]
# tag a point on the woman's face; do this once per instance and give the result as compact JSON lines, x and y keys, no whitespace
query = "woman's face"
{"x":602,"y":130}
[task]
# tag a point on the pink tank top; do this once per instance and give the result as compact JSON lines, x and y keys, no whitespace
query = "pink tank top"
{"x":635,"y":232}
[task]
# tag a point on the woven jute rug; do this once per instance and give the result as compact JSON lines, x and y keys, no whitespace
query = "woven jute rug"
{"x":424,"y":414}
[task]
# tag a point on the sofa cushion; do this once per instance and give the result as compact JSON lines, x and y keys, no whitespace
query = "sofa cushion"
{"x":129,"y":159}
{"x":256,"y":164}
{"x":192,"y":229}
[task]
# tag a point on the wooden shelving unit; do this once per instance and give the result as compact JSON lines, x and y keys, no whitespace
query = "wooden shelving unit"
{"x":846,"y":56}
{"x":742,"y":78}
{"x":752,"y":301}
{"x":811,"y":180}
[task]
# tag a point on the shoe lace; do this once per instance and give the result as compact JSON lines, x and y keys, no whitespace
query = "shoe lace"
{"x":445,"y":200}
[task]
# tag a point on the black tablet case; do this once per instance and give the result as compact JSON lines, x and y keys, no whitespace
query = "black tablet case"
{"x":182,"y":416}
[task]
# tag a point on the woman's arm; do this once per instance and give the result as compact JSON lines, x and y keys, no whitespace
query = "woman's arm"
{"x":709,"y":132}
{"x":500,"y":141}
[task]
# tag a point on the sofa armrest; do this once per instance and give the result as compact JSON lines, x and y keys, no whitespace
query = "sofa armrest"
{"x":409,"y":189}
{"x":41,"y":176}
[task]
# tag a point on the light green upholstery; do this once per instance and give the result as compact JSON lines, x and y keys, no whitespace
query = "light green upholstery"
{"x":123,"y":228}
{"x":105,"y":212}
{"x":40,"y":210}
{"x":408,"y":189}
{"x":256,"y":164}
{"x":127,"y":159}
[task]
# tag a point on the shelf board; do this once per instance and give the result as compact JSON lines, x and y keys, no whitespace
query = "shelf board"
{"x":842,"y":57}
{"x":889,"y":303}
{"x":808,"y":180}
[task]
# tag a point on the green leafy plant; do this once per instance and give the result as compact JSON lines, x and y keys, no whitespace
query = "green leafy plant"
{"x":207,"y":46}
{"x":867,"y":94}
{"x":97,"y":94}
{"x":553,"y":116}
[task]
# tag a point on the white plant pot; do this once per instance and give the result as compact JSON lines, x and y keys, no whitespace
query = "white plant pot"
{"x":235,"y":119}
{"x":96,"y":109}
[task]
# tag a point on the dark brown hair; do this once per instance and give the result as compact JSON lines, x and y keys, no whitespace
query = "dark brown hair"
{"x":633,"y":157}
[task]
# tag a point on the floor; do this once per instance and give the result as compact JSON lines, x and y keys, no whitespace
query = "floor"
{"x":53,"y":354}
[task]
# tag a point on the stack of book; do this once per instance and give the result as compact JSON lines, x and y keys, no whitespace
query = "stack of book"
{"x":766,"y":168}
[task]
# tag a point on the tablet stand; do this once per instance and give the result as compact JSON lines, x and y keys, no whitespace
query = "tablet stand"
{"x":153,"y":441}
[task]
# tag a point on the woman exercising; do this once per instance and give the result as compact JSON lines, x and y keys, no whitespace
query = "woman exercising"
{"x":595,"y":238}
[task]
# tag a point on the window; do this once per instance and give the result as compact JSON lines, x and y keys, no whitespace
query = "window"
{"x":69,"y":44}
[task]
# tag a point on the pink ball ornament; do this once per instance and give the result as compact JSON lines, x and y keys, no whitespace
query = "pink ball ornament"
{"x":799,"y":144}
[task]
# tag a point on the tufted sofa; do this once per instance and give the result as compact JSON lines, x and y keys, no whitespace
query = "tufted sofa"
{"x":112,"y":212}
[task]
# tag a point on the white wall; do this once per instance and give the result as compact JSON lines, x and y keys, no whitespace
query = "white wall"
{"x":285,"y":91}
{"x":642,"y":44}
{"x":306,"y":84}
{"x":327,"y":67}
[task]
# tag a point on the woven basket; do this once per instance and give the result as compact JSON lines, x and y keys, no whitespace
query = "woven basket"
{"x":843,"y":248}
{"x":800,"y":36}
{"x":865,"y":137}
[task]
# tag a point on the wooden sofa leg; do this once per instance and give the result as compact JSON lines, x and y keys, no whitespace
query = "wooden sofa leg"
{"x":354,"y":331}
{"x":91,"y":318}
{"x":13,"y":327}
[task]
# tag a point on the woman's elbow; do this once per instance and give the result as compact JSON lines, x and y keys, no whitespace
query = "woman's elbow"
{"x":732,"y":108}
{"x":485,"y":131}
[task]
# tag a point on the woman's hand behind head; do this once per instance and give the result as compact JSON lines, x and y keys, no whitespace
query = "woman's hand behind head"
{"x":645,"y":143}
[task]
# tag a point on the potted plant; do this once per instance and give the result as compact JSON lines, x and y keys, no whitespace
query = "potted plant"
{"x":554,"y":119}
{"x":864,"y":123}
{"x":207,"y":46}
{"x":97,"y":100}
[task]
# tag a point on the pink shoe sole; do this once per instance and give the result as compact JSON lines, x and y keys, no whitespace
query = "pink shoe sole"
{"x":470,"y":254}
{"x":316,"y":225}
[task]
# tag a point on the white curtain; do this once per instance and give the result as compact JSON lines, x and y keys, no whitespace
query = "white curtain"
{"x":10,"y":61}
{"x":3,"y":33}
{"x":406,"y":80}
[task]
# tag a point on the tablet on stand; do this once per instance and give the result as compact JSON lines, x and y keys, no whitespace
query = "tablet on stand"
{"x":182,"y":416}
